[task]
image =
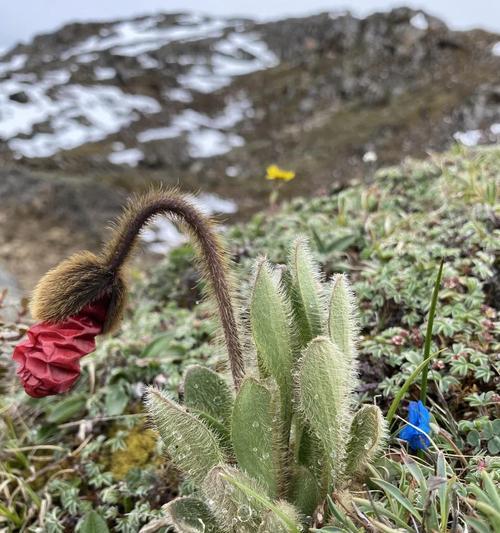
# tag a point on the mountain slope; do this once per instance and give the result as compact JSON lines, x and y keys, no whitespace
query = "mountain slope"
{"x":208,"y":103}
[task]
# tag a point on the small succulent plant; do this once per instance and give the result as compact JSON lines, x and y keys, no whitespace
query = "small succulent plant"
{"x":265,"y":453}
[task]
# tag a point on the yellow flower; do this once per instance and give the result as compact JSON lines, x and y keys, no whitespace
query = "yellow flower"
{"x":274,"y":172}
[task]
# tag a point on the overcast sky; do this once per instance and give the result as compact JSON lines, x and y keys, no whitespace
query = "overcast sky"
{"x":21,"y":19}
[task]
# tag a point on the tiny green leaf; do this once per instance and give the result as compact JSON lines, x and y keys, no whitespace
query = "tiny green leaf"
{"x":93,"y":523}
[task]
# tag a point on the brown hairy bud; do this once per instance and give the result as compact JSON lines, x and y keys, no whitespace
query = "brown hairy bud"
{"x":73,"y":284}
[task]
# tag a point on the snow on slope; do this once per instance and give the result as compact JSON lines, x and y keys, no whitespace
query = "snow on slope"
{"x":44,"y":111}
{"x":77,"y":114}
{"x":203,"y":132}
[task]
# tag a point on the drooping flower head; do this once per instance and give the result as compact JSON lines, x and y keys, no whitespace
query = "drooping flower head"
{"x":85,"y":295}
{"x":418,"y":416}
{"x":73,"y":303}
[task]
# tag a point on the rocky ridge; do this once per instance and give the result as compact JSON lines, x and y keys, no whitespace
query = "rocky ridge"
{"x":94,"y":109}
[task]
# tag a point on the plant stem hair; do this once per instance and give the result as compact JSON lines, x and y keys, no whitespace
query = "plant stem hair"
{"x":214,"y":258}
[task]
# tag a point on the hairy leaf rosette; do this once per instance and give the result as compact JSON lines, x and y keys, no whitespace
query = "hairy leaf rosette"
{"x":49,"y":358}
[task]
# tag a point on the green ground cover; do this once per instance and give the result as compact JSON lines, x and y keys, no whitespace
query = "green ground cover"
{"x":91,"y":450}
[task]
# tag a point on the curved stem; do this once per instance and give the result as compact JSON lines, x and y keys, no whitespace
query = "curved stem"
{"x":213,"y":256}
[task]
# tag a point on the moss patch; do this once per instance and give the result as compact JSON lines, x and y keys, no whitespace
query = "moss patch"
{"x":139,"y":449}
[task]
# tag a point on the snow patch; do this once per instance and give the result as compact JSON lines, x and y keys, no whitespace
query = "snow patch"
{"x":148,"y":62}
{"x":232,"y":171}
{"x":236,"y":55}
{"x":157,"y":134}
{"x":212,"y":204}
{"x":57,"y":77}
{"x":132,"y":38}
{"x":77,"y":115}
{"x":14,"y":63}
{"x":468,"y":138}
{"x":420,"y":22}
{"x":87,"y":58}
{"x":209,"y":143}
{"x":29,"y":77}
{"x":495,"y":128}
{"x":495,"y":50}
{"x":203,"y":132}
{"x":131,"y":157}
{"x":203,"y":80}
{"x":179,"y":95}
{"x":370,"y":157}
{"x":104,"y":73}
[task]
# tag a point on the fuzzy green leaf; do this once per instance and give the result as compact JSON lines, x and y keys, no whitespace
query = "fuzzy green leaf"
{"x":342,"y":319}
{"x":311,"y":454}
{"x":304,"y":490}
{"x":323,"y":392}
{"x":241,"y":505}
{"x":256,"y":434}
{"x":209,"y":396}
{"x":189,"y":515}
{"x":305,"y":289}
{"x":272,"y":522}
{"x":270,"y":323}
{"x":234,"y":508}
{"x":367,"y":434}
{"x":189,"y":442}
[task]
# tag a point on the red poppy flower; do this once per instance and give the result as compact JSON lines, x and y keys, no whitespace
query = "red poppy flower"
{"x":49,"y":359}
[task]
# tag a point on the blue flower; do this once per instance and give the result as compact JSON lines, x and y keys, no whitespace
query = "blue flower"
{"x":419,"y":417}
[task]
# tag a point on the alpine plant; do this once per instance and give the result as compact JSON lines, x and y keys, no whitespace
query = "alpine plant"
{"x":263,"y":447}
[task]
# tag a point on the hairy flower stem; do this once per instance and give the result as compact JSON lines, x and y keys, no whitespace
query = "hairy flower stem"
{"x":214,"y":259}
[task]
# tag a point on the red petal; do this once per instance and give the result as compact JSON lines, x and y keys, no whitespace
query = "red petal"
{"x":49,"y":358}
